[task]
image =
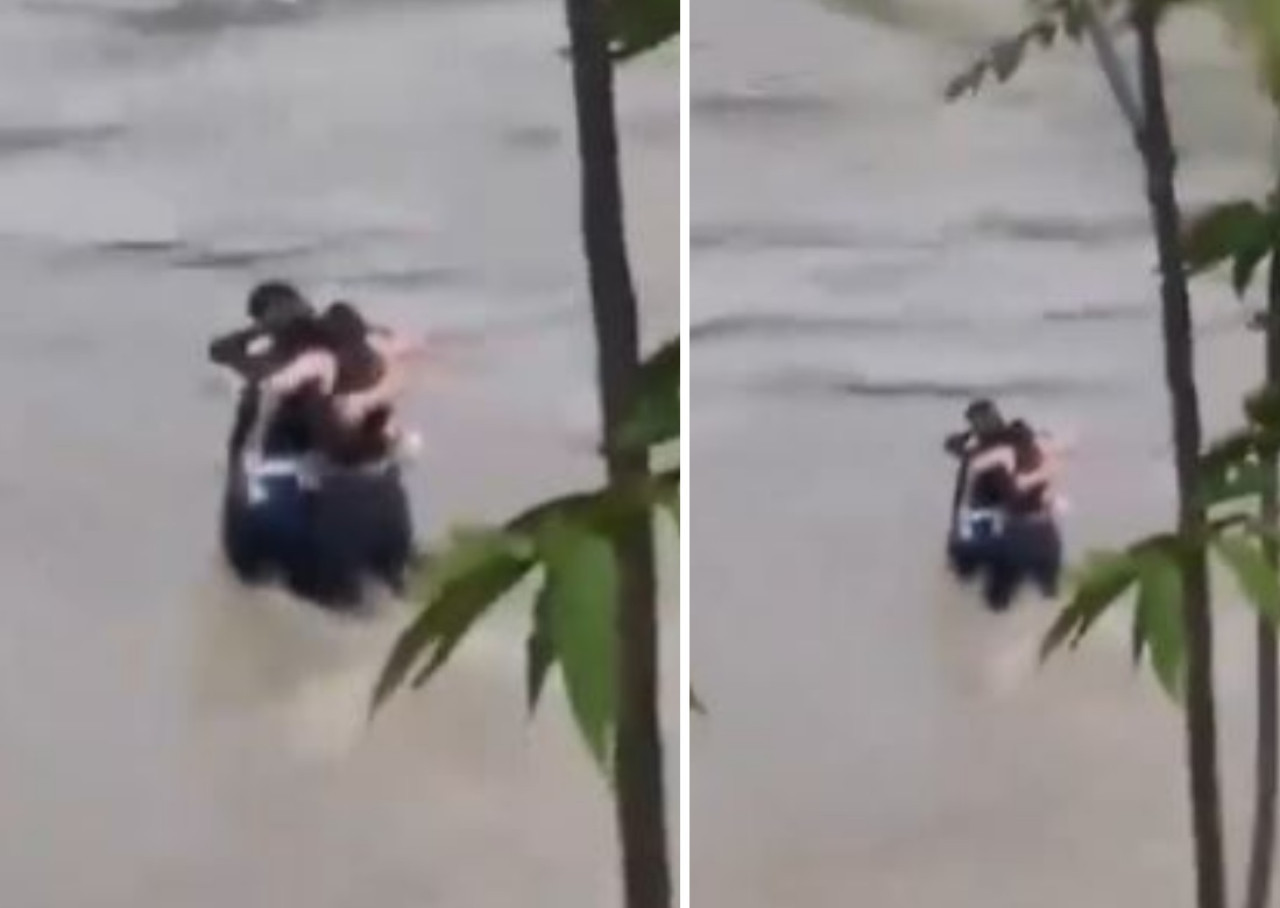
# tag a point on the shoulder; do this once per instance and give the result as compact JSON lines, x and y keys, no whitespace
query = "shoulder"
{"x":989,"y":458}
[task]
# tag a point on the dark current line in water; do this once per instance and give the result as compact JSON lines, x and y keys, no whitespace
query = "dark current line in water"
{"x":1027,"y":387}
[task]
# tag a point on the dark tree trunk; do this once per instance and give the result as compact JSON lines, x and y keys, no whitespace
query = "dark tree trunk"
{"x":1262,"y":850}
{"x":641,"y":802}
{"x":1155,"y":142}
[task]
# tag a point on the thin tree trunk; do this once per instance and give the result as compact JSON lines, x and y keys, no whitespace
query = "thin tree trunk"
{"x":641,"y":803}
{"x":1156,"y":145}
{"x":1262,"y":850}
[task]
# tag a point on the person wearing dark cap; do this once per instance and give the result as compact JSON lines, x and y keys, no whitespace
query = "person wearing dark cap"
{"x":976,"y":500}
{"x":977,"y":539}
{"x":262,"y":521}
{"x":985,"y":425}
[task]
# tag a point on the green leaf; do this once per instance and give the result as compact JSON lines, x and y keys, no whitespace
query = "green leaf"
{"x":1102,"y":580}
{"x":655,"y":411}
{"x":1159,"y":615}
{"x":540,"y":649}
{"x":1006,"y":57}
{"x":1262,"y":407}
{"x":529,"y":523}
{"x":479,"y":570}
{"x":641,"y":25}
{"x":582,"y":589}
{"x":1045,"y":32}
{"x":667,"y":493}
{"x":466,"y":550}
{"x":1246,"y":263}
{"x":1073,"y":20}
{"x":1255,"y":577}
{"x":1224,"y":232}
{"x":1232,"y":483}
{"x":1230,"y":450}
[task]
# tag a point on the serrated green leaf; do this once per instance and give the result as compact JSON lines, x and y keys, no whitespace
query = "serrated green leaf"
{"x":466,"y":550}
{"x":1232,"y":483}
{"x":1159,"y":614}
{"x":1246,"y":263}
{"x":1255,"y":577}
{"x":655,"y":412}
{"x":641,"y":25}
{"x":1101,"y":581}
{"x":582,"y":590}
{"x":453,"y":607}
{"x":529,"y":523}
{"x":1006,"y":56}
{"x":540,"y":650}
{"x":1137,"y":638}
{"x":965,"y":83}
{"x":1262,"y":407}
{"x":1073,"y":20}
{"x":1045,"y":32}
{"x":1229,"y":450}
{"x":667,"y":493}
{"x":1222,"y":232}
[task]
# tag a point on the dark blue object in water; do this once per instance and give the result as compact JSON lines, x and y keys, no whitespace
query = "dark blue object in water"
{"x":324,"y":544}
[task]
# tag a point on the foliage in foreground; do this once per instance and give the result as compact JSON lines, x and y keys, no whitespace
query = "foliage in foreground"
{"x":568,"y":545}
{"x":1233,"y":474}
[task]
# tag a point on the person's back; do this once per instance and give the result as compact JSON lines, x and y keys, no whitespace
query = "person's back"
{"x":1032,"y":491}
{"x":359,"y":368}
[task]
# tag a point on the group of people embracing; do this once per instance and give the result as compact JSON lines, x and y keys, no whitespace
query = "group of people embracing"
{"x":1004,"y":513}
{"x":314,"y":498}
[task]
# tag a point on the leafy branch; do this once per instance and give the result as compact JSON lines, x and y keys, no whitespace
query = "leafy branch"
{"x":569,"y":545}
{"x":1054,"y":19}
{"x":1232,"y":474}
{"x":642,"y":25}
{"x":1239,"y":231}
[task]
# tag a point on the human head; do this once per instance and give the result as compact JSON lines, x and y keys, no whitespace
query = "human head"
{"x":1023,"y":439}
{"x":276,"y":303}
{"x":984,"y":417}
{"x":343,"y":324}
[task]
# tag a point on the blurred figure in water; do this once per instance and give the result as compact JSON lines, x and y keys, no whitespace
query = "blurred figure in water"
{"x":1003,"y":524}
{"x":314,"y":496}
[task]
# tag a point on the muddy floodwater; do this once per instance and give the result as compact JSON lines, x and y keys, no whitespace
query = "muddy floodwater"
{"x":169,"y":740}
{"x":864,"y":259}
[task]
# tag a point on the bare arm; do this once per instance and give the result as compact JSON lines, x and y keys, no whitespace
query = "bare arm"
{"x":1042,"y":475}
{"x":236,"y":351}
{"x":312,"y":366}
{"x":390,"y":387}
{"x":1055,"y":446}
{"x":995,"y":457}
{"x":392,"y":345}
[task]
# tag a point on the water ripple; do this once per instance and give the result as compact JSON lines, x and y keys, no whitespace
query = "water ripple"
{"x":749,"y":236}
{"x":20,"y":140}
{"x":182,"y":17}
{"x":789,"y":107}
{"x":816,"y":383}
{"x":410,"y":278}
{"x":731,"y":327}
{"x":1049,"y":228}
